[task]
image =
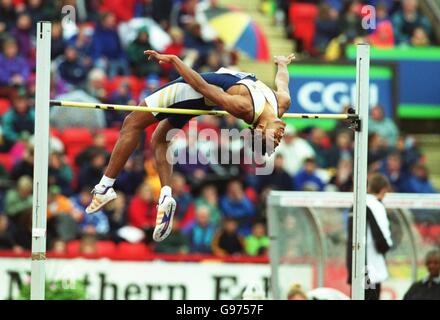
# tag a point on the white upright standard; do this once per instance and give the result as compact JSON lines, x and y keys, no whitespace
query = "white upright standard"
{"x":41,"y":156}
{"x":358,"y":277}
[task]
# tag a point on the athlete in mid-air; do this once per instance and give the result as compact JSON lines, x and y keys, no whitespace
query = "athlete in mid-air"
{"x":240,"y":94}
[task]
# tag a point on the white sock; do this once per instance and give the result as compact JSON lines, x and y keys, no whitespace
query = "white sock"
{"x":104,"y":183}
{"x":164,"y":192}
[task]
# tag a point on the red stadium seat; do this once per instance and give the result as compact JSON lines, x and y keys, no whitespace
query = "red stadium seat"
{"x":54,"y":132}
{"x":6,"y":161}
{"x":106,"y":248}
{"x":111,"y":136}
{"x":73,"y":247}
{"x":76,"y":139}
{"x":4,"y":105}
{"x":302,"y":16}
{"x":73,"y":136}
{"x":132,"y":250}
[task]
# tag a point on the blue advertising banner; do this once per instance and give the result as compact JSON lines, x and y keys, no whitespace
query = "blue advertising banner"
{"x":319,"y":88}
{"x":418,"y":76}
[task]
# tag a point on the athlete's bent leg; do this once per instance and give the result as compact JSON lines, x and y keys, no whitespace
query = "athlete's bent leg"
{"x":166,"y":205}
{"x":129,"y":137}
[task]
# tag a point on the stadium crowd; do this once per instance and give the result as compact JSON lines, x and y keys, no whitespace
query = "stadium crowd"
{"x":220,"y":208}
{"x":322,"y":28}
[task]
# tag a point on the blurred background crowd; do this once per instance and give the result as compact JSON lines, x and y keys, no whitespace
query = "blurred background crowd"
{"x":97,"y":55}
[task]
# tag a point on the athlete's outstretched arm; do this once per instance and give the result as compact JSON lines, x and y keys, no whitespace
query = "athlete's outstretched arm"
{"x":234,"y":104}
{"x":282,"y":82}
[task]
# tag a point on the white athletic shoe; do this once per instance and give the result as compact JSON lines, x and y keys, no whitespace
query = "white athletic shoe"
{"x":100,"y":199}
{"x":164,"y":219}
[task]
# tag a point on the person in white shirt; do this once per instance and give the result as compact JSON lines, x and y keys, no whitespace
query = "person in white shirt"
{"x":379,"y":240}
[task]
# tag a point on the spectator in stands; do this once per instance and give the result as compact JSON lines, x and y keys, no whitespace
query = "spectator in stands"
{"x":18,"y":121}
{"x":377,"y":150}
{"x":122,"y":95}
{"x":152,"y":83}
{"x":143,"y":8}
{"x":58,"y":247}
{"x":227,"y":241}
{"x":22,"y":33}
{"x":176,"y":243}
{"x":107,"y":51}
{"x":307,"y":178}
{"x":142,"y":210}
{"x":25,"y":166}
{"x":296,"y":292}
{"x":82,"y":42}
{"x":15,"y":69}
{"x":8,"y":15}
{"x":184,"y":214}
{"x":96,"y":84}
{"x":327,"y":27}
{"x":294,"y":148}
{"x":176,"y":47}
{"x":89,"y":172}
{"x":213,"y":62}
{"x":209,"y":199}
{"x":184,"y":14}
{"x":407,"y":20}
{"x":141,"y":67}
{"x":351,"y":22}
{"x":383,"y":126}
{"x":392,"y":169}
{"x":383,"y":35}
{"x":97,"y":224}
{"x":420,"y":38}
{"x":279,"y":179}
{"x":193,"y":40}
{"x":235,"y":204}
{"x":228,"y":56}
{"x":202,"y":232}
{"x":88,"y":245}
{"x":93,"y":10}
{"x":57,"y":43}
{"x":257,"y":243}
{"x":409,"y":153}
{"x":60,"y":173}
{"x":98,"y":146}
{"x":152,"y":177}
{"x":132,"y":176}
{"x":62,"y":216}
{"x":162,"y":12}
{"x":7,"y":235}
{"x":116,"y":212}
{"x":18,"y":201}
{"x":71,"y":69}
{"x":343,"y":178}
{"x":429,"y":287}
{"x":418,"y":181}
{"x":378,"y":241}
{"x":320,"y":142}
{"x":197,"y":166}
{"x":40,"y":10}
{"x":343,"y":149}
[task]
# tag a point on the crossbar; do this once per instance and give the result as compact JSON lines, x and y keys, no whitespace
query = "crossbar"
{"x":195,"y":112}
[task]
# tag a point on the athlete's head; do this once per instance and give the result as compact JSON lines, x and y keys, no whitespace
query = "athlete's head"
{"x":267,"y":135}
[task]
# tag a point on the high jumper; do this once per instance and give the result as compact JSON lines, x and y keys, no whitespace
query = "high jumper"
{"x":240,"y":94}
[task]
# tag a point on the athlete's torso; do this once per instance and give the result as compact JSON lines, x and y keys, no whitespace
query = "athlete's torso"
{"x":178,"y":94}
